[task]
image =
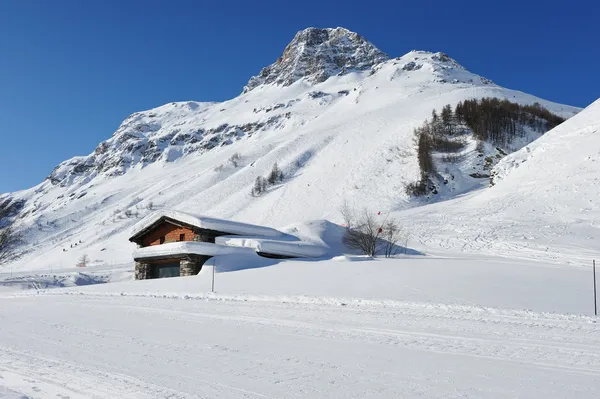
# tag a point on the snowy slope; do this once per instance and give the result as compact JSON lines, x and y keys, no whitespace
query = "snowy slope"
{"x":544,"y":203}
{"x":348,"y":137}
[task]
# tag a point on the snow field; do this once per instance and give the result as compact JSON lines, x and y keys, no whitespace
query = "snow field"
{"x":192,"y":349}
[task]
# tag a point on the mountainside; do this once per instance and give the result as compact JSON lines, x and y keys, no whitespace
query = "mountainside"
{"x":333,"y":112}
{"x":543,"y":204}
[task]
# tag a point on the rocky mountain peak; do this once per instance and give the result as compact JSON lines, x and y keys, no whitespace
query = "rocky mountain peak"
{"x":317,"y":54}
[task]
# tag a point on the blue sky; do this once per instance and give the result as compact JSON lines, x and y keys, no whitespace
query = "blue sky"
{"x":71,"y":70}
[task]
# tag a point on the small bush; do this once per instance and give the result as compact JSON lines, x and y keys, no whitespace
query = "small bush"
{"x":83,"y":261}
{"x":452,"y":158}
{"x":444,"y":144}
{"x":235,"y":159}
{"x":417,"y":189}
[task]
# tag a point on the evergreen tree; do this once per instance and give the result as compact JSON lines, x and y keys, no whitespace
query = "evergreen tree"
{"x":259,"y":186}
{"x":448,"y":120}
{"x":274,"y":176}
{"x":263,"y":184}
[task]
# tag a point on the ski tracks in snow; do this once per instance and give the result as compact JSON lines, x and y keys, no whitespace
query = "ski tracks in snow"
{"x":144,"y":346}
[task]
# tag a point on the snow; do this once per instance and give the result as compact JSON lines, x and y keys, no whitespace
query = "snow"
{"x":10,"y":394}
{"x":493,"y":299}
{"x":406,"y":327}
{"x":355,"y":147}
{"x":204,"y":222}
{"x":11,"y":281}
{"x":277,"y":247}
{"x":187,"y":247}
{"x":543,"y":205}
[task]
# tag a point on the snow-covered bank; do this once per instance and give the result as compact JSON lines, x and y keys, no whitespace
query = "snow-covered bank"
{"x":350,"y":326}
{"x":471,"y":281}
{"x":70,"y":277}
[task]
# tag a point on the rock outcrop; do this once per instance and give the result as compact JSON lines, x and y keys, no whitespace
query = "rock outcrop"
{"x":317,"y":54}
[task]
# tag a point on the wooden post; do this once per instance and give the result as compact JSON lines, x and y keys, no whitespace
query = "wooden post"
{"x":595,"y":303}
{"x":213,"y":275}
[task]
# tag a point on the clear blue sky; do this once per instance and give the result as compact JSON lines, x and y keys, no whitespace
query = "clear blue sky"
{"x":72,"y":70}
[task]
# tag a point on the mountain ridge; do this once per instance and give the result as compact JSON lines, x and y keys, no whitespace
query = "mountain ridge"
{"x":349,"y":137}
{"x":316,"y":54}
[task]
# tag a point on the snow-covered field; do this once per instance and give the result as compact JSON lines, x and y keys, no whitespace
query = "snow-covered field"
{"x":349,"y":327}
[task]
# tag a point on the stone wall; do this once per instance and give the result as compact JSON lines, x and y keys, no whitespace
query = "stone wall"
{"x":142,"y":271}
{"x":191,"y":267}
{"x":188,"y":266}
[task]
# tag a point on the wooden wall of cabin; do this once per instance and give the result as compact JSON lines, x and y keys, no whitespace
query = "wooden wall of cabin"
{"x":170,"y":232}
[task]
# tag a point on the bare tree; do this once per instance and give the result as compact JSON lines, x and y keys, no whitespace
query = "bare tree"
{"x":83,"y":261}
{"x":392,"y":235}
{"x":363,"y":231}
{"x":9,"y":241}
{"x":371,"y":233}
{"x":348,"y":214}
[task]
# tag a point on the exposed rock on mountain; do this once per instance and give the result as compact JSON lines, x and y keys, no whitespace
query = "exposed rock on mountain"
{"x":317,"y":54}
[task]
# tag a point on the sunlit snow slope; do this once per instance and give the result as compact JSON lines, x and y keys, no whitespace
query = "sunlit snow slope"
{"x":340,"y":129}
{"x":544,"y":204}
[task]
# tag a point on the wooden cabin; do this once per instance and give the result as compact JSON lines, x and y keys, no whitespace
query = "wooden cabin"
{"x":159,"y":256}
{"x":168,"y":230}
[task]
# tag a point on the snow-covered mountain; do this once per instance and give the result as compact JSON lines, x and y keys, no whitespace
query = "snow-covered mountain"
{"x":334,"y":112}
{"x":316,"y":54}
{"x":544,"y":203}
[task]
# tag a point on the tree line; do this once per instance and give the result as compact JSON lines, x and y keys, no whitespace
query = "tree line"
{"x":499,"y":121}
{"x":9,"y":238}
{"x":488,"y":119}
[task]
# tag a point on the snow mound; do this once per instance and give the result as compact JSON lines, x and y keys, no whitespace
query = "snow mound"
{"x":6,"y":393}
{"x":276,"y":247}
{"x":187,"y":248}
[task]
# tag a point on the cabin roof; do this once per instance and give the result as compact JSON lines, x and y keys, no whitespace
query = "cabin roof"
{"x":175,"y":249}
{"x":199,"y":222}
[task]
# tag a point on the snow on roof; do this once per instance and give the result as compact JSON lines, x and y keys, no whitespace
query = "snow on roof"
{"x":203,"y":222}
{"x":298,"y":249}
{"x":188,"y":248}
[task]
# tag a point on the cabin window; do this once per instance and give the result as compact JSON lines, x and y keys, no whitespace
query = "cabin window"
{"x":181,"y":237}
{"x":166,"y":270}
{"x":162,"y":239}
